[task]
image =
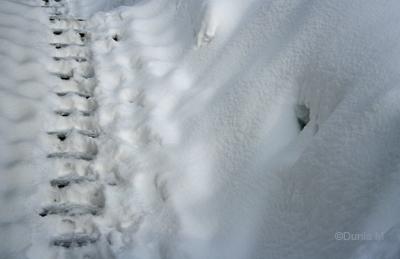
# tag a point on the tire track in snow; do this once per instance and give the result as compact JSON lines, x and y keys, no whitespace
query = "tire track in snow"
{"x":77,"y":198}
{"x":129,"y":162}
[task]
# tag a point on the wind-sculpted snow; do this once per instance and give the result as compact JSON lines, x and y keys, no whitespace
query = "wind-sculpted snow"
{"x":199,"y":129}
{"x":226,"y":88}
{"x":22,"y":89}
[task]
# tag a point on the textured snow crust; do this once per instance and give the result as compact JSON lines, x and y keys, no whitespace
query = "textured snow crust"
{"x":23,"y":87}
{"x":202,"y":154}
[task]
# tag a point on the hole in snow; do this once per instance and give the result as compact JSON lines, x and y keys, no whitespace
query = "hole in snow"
{"x":43,"y":214}
{"x":82,"y":35}
{"x":57,"y":32}
{"x":63,"y":113}
{"x":115,"y":37}
{"x":80,"y":59}
{"x":303,"y":115}
{"x":59,"y":45}
{"x":61,"y":136}
{"x":65,"y":77}
{"x":62,"y":185}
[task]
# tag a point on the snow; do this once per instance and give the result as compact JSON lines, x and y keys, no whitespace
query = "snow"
{"x":22,"y":90}
{"x":184,"y":136}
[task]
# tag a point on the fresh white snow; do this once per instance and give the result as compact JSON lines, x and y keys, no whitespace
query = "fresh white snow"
{"x":174,"y":129}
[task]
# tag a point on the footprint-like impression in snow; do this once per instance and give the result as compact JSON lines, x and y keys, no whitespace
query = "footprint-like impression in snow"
{"x":303,"y":115}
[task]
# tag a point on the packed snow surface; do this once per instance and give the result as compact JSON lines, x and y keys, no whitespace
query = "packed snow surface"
{"x":199,"y":129}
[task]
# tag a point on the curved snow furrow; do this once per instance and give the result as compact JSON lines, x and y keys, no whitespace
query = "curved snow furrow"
{"x":69,"y":209}
{"x":73,"y":60}
{"x":16,"y":49}
{"x":11,"y":25}
{"x":21,"y":117}
{"x":70,"y":49}
{"x":64,"y":134}
{"x":59,"y":22}
{"x":81,"y":123}
{"x":30,"y":68}
{"x":74,"y":240}
{"x":68,"y":57}
{"x":62,"y":93}
{"x":26,"y":16}
{"x":68,"y":180}
{"x":23,"y":18}
{"x":6,"y":91}
{"x":58,"y":18}
{"x":82,"y":89}
{"x":13,"y":44}
{"x":24,"y":3}
{"x":15,"y":5}
{"x":75,"y":103}
{"x":71,"y":38}
{"x":18,"y":22}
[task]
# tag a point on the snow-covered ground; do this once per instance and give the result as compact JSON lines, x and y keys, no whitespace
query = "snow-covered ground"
{"x":174,"y":129}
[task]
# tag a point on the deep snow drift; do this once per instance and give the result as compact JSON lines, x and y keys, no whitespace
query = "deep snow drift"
{"x":209,"y":129}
